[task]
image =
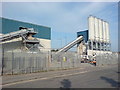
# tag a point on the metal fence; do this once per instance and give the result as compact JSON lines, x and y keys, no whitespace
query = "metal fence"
{"x":24,"y":62}
{"x":65,"y":60}
{"x":107,"y":59}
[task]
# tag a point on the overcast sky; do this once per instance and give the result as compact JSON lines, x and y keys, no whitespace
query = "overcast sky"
{"x":65,"y":18}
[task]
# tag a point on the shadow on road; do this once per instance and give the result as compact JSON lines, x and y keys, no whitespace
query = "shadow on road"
{"x":118,"y":72}
{"x":65,"y":83}
{"x":111,"y":81}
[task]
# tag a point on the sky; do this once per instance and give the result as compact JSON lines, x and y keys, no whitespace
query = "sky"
{"x":64,"y":18}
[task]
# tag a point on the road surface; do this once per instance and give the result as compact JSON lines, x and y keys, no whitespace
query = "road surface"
{"x":101,"y":78}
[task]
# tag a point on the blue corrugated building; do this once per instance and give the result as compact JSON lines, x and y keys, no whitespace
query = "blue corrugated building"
{"x":10,"y":25}
{"x":84,"y":34}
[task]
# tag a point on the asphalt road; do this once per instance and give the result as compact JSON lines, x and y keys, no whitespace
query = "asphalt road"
{"x":104,"y":78}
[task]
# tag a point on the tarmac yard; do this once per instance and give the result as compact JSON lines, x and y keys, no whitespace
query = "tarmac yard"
{"x":84,"y":77}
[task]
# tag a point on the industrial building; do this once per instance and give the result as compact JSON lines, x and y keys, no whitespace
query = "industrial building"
{"x":96,"y":38}
{"x":82,"y":47}
{"x":17,"y":35}
{"x":35,"y":40}
{"x":94,"y":41}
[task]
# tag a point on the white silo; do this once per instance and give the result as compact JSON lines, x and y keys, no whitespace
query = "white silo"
{"x":99,"y":41}
{"x":107,"y":32}
{"x":96,"y":30}
{"x":104,"y":32}
{"x":100,"y":30}
{"x":91,"y":28}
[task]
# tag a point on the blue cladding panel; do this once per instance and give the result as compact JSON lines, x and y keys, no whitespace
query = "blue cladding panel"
{"x":84,"y":34}
{"x":9,"y":25}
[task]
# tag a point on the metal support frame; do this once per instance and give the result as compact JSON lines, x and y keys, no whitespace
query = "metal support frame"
{"x":94,"y":45}
{"x":22,"y":33}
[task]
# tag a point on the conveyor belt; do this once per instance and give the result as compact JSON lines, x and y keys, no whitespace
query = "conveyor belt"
{"x":70,"y":45}
{"x":16,"y":34}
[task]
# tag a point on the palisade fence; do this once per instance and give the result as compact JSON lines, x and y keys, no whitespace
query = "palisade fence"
{"x":65,"y":60}
{"x":24,"y":62}
{"x":28,"y":62}
{"x":107,"y":59}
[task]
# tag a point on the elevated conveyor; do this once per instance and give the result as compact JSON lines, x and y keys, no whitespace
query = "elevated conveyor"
{"x":26,"y":34}
{"x":17,"y":34}
{"x":70,"y":45}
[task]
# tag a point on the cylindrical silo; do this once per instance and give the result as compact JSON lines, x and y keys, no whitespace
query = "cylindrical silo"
{"x":91,"y":27}
{"x":96,"y":30}
{"x":107,"y":32}
{"x":100,"y":30}
{"x":104,"y":32}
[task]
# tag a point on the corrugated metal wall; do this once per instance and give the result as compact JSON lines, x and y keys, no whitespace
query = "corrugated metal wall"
{"x":84,"y":34}
{"x":9,"y":25}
